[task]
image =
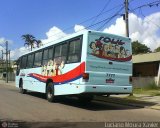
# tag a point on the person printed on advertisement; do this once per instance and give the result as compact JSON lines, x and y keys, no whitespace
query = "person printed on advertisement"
{"x":113,"y":51}
{"x":57,"y":68}
{"x":53,"y":68}
{"x":110,"y":50}
{"x":43,"y":70}
{"x":99,"y":45}
{"x":127,"y":53}
{"x":105,"y":50}
{"x":122,"y":52}
{"x":49,"y":68}
{"x":94,"y":48}
{"x":117,"y":50}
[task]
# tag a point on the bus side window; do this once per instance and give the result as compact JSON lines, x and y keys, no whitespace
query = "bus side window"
{"x":23,"y":62}
{"x":61,"y":53}
{"x":30,"y":60}
{"x":50,"y":53}
{"x":38,"y":59}
{"x":64,"y":52}
{"x":45,"y":57}
{"x":18,"y":66}
{"x":74,"y":51}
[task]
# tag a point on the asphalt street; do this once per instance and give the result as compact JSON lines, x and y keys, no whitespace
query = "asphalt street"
{"x":33,"y":107}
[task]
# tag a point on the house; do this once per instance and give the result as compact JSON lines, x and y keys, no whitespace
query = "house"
{"x":146,"y":69}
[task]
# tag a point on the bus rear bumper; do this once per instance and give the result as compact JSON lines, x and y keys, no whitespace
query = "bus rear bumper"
{"x":108,"y":89}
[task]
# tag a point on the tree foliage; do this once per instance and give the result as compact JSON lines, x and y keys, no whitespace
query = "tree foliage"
{"x":30,"y":40}
{"x":138,"y":48}
{"x":157,"y":49}
{"x":39,"y":43}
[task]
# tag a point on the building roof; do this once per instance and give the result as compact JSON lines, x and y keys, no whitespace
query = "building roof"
{"x":147,"y":57}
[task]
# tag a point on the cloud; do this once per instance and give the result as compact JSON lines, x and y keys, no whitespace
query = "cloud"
{"x":14,"y":54}
{"x":3,"y":44}
{"x":78,"y":28}
{"x":144,"y":30}
{"x":54,"y":33}
{"x":3,"y":40}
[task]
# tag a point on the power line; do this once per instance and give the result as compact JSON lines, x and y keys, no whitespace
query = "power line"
{"x":104,"y":20}
{"x":151,"y":4}
{"x":149,"y":20}
{"x":109,"y":19}
{"x":89,"y":19}
{"x":154,"y":3}
{"x":105,"y":6}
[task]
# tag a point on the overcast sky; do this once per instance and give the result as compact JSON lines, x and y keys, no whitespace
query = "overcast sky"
{"x":45,"y":18}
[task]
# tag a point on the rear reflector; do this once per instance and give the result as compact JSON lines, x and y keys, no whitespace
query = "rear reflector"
{"x":85,"y":76}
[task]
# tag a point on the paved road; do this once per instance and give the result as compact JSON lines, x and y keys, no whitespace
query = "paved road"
{"x":34,"y":107}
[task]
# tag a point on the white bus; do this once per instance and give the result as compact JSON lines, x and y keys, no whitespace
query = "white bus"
{"x":85,"y":64}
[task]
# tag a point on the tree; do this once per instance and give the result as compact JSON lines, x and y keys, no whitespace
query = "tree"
{"x":137,"y":48}
{"x":157,"y":49}
{"x":39,"y":43}
{"x":29,"y":40}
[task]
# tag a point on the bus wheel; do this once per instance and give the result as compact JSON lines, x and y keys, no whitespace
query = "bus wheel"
{"x":21,"y":90}
{"x":50,"y":92}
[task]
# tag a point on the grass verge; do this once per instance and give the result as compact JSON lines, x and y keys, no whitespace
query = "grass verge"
{"x":150,"y":89}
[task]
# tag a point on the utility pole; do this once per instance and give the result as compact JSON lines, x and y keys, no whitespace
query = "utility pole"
{"x":9,"y":58}
{"x":126,"y":18}
{"x":2,"y":64}
{"x":2,"y":54}
{"x":6,"y":61}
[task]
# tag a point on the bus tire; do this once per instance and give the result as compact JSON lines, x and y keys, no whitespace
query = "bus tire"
{"x":50,"y":92}
{"x":21,"y":90}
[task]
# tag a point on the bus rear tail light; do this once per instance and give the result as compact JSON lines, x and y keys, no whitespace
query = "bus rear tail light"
{"x":85,"y":76}
{"x":130,"y":79}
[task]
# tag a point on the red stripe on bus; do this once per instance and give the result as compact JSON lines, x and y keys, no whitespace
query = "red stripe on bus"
{"x":74,"y":73}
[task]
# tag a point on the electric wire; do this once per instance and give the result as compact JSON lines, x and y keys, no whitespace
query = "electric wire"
{"x":105,"y":6}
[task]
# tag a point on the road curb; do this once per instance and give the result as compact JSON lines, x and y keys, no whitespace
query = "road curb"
{"x":127,"y":102}
{"x":156,"y":107}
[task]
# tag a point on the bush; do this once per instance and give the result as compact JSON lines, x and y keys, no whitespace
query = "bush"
{"x":151,"y":86}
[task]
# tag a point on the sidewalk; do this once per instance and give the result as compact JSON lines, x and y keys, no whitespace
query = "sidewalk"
{"x":137,"y":100}
{"x":148,"y":98}
{"x":11,"y":83}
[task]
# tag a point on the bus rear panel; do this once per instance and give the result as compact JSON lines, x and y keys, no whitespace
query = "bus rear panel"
{"x":108,"y":64}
